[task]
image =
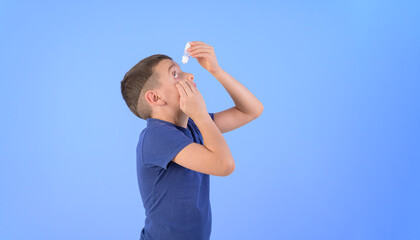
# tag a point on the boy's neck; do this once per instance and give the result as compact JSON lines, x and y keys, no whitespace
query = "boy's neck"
{"x":179,"y":119}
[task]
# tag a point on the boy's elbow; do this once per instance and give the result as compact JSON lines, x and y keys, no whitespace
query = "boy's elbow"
{"x":230,"y":168}
{"x":260,"y":111}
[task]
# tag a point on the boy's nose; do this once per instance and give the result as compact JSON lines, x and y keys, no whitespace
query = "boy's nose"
{"x":190,"y":77}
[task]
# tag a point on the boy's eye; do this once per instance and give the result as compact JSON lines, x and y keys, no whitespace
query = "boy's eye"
{"x":176,"y":74}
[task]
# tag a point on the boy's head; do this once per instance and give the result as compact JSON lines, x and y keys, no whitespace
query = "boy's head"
{"x":149,"y":86}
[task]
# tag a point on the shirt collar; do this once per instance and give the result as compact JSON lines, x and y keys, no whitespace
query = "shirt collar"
{"x":153,"y":121}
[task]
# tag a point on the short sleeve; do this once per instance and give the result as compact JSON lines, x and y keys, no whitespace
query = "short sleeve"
{"x":211,"y":115}
{"x":161,"y":144}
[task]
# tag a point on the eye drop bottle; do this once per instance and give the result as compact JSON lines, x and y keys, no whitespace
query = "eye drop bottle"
{"x":186,"y":55}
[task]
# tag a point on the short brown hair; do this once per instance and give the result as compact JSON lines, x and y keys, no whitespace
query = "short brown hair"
{"x":138,"y":80}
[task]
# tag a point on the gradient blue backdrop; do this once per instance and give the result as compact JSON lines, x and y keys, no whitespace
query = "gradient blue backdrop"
{"x":335,"y":155}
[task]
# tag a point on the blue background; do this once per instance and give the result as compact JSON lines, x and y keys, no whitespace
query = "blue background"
{"x":335,"y":155}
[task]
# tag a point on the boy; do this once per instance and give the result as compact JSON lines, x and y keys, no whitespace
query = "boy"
{"x":182,"y":144}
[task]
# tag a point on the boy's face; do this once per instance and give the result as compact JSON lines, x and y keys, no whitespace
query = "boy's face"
{"x":169,"y":75}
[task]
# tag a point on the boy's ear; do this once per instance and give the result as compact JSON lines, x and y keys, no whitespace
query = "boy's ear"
{"x":153,"y":98}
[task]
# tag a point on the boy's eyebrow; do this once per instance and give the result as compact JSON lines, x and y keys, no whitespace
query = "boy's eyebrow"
{"x":173,"y":65}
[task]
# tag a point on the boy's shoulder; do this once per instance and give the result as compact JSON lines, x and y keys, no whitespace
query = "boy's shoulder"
{"x":157,"y":128}
{"x":163,"y":129}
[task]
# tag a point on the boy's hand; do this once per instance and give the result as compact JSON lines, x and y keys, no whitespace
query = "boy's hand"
{"x":191,"y":102}
{"x":205,"y":55}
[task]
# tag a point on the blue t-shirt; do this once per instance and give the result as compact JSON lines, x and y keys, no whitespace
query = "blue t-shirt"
{"x":176,"y":199}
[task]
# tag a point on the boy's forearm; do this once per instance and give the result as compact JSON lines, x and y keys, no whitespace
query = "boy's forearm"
{"x":241,"y":96}
{"x":213,"y":139}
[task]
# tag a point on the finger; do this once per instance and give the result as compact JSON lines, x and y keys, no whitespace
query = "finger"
{"x":192,"y":86}
{"x":200,"y":50}
{"x":186,"y":87}
{"x":198,"y":43}
{"x":192,"y":48}
{"x":197,"y":54}
{"x":201,"y":55}
{"x":181,"y":90}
